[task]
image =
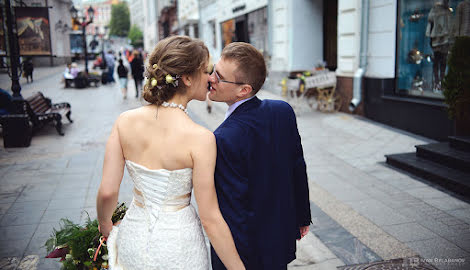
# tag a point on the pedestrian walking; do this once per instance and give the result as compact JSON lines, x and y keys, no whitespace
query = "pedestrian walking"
{"x":122,"y":73}
{"x":137,"y":67}
{"x":110,"y":63}
{"x":28,"y":69}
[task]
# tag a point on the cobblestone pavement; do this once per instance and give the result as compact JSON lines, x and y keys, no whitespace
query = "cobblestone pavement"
{"x":363,"y":211}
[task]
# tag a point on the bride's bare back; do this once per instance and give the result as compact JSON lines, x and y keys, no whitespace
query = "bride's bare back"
{"x":162,"y":140}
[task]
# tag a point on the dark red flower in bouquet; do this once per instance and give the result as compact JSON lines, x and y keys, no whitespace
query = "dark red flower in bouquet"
{"x":58,"y":253}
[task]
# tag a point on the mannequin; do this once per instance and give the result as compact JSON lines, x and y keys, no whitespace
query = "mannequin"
{"x":438,"y":30}
{"x":462,"y":19}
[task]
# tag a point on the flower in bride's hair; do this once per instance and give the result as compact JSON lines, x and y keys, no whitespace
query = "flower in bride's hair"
{"x":153,"y":82}
{"x":169,"y":78}
{"x":155,"y":66}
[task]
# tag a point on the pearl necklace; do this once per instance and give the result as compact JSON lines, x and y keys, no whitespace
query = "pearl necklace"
{"x":174,"y":105}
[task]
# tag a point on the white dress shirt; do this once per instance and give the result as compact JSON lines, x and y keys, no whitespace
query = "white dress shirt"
{"x":235,"y":105}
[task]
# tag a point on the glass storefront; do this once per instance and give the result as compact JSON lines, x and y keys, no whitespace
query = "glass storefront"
{"x":251,"y":27}
{"x":426,"y":29}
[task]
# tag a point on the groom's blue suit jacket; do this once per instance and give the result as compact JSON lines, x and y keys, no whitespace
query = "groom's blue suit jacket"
{"x":261,"y":183}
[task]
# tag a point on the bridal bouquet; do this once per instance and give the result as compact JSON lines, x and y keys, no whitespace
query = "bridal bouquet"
{"x":76,"y":245}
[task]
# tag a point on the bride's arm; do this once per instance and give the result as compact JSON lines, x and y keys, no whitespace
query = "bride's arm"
{"x":108,"y":192}
{"x":204,"y":157}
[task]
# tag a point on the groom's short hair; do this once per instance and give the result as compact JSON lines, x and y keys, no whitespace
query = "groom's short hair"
{"x":251,"y":66}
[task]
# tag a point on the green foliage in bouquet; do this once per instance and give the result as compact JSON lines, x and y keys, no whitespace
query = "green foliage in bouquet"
{"x":456,"y":83}
{"x":119,"y":213}
{"x":76,"y":245}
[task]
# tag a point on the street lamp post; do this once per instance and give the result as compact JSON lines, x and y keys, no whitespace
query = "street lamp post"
{"x":106,"y":28}
{"x":103,"y":39}
{"x":14,"y":52}
{"x":84,"y":23}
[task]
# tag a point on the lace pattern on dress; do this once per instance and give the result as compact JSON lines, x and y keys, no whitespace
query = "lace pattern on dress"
{"x":159,"y":230}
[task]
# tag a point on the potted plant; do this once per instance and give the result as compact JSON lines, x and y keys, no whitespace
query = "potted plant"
{"x":456,"y":85}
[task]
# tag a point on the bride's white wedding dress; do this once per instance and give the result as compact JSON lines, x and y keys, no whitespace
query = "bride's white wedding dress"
{"x":160,"y":230}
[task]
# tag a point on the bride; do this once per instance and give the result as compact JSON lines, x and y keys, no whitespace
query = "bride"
{"x":166,"y":155}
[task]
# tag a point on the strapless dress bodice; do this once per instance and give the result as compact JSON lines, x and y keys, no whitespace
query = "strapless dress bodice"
{"x":161,"y":190}
{"x":161,"y":229}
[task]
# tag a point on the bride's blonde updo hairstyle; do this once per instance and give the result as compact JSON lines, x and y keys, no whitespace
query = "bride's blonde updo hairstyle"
{"x":173,"y":56}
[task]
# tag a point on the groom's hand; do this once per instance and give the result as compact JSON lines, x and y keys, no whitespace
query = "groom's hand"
{"x":303,"y":231}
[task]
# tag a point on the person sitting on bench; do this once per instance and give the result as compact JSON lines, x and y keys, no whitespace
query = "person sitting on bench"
{"x":68,"y":77}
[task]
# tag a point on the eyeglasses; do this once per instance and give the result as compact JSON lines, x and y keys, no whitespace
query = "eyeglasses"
{"x":218,"y":79}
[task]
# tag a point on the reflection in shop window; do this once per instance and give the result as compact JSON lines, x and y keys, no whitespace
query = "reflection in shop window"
{"x":426,"y":31}
{"x":212,"y":25}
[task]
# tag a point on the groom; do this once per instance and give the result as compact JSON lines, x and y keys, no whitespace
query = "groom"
{"x":260,"y":174}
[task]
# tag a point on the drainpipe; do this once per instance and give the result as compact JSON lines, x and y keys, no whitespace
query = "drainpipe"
{"x":358,"y":76}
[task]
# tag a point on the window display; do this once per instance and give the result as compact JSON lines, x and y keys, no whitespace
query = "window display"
{"x":426,"y":30}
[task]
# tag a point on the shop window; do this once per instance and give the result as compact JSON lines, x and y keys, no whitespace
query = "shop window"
{"x":257,"y":29}
{"x":228,"y":32}
{"x":196,"y":30}
{"x":212,"y":26}
{"x":251,"y":27}
{"x":425,"y":34}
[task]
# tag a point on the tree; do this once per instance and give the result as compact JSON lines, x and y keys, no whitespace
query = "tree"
{"x":120,"y":20}
{"x":136,"y":36}
{"x":456,"y":85}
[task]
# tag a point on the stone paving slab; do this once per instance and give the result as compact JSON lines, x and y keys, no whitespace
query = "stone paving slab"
{"x":408,"y":232}
{"x":395,"y":264}
{"x":324,"y":265}
{"x":463,"y":214}
{"x":438,"y":248}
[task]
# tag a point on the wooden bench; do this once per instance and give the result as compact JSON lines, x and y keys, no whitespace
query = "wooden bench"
{"x":41,"y":111}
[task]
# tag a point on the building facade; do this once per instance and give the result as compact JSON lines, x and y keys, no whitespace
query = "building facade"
{"x":161,"y":20}
{"x":210,"y":30}
{"x":167,"y":18}
{"x":188,"y":18}
{"x":102,"y":15}
{"x":150,"y":21}
{"x":54,"y":31}
{"x":296,"y":37}
{"x":290,"y":34}
{"x":389,"y":55}
{"x":136,"y":9}
{"x":407,"y":43}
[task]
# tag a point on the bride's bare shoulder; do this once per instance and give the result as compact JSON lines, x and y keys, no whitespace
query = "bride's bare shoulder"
{"x":133,"y":114}
{"x":131,"y":117}
{"x":201,"y":134}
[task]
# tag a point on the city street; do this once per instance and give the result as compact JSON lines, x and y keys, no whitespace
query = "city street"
{"x":363,"y":211}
